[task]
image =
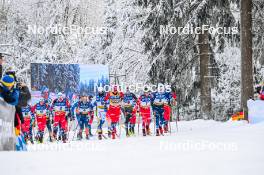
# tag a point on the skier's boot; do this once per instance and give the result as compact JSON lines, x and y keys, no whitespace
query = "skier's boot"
{"x":31,"y":140}
{"x":133,"y":130}
{"x":87,"y":132}
{"x":161,"y":130}
{"x":79,"y":135}
{"x":114,"y":134}
{"x":55,"y":135}
{"x":109,"y":134}
{"x":64,"y":137}
{"x":41,"y":138}
{"x":127,"y":133}
{"x":148,"y":130}
{"x":166,"y":128}
{"x":90,"y":132}
{"x":50,"y":139}
{"x":144,"y":132}
{"x":37,"y":138}
{"x":100,"y":135}
{"x":157,"y":132}
{"x":26,"y":138}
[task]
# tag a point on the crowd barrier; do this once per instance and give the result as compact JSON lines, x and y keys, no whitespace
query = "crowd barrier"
{"x":7,"y":138}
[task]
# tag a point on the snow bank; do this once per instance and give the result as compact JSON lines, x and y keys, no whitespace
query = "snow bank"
{"x":200,"y":147}
{"x":256,"y":111}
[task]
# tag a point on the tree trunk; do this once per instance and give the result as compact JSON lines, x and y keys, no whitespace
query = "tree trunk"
{"x":206,"y":103}
{"x":247,"y":89}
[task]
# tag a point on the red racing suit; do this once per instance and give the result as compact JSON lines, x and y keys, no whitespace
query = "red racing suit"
{"x":171,"y":98}
{"x":144,"y":102}
{"x":40,"y":111}
{"x":60,"y":109}
{"x":114,"y":110}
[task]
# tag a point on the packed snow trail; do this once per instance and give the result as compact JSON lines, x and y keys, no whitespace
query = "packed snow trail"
{"x":241,"y":153}
{"x":200,"y":147}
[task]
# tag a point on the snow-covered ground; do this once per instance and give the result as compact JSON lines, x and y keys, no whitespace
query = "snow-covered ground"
{"x":199,"y":147}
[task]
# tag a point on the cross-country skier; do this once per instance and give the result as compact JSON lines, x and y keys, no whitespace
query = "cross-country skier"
{"x":29,"y":120}
{"x":40,"y":110}
{"x":60,"y":108}
{"x":158,"y":100}
{"x":170,"y":100}
{"x":83,"y":111}
{"x":115,"y":98}
{"x":144,"y":103}
{"x":48,"y":101}
{"x":129,"y":110}
{"x":101,"y":108}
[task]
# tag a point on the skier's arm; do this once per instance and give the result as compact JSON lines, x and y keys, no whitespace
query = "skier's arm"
{"x":107,"y":96}
{"x":134,"y":97}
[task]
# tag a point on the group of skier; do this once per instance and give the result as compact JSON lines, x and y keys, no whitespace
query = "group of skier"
{"x":106,"y":106}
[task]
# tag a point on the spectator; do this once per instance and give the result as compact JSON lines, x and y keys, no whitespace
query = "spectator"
{"x":7,"y":90}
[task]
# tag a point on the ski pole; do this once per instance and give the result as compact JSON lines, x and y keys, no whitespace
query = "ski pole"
{"x":176,"y":118}
{"x":120,"y":119}
{"x":69,"y":129}
{"x":154,"y":121}
{"x":75,"y":129}
{"x":138,"y":116}
{"x":170,"y":122}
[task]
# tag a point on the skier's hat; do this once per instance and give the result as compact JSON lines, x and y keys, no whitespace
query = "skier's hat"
{"x":8,"y":81}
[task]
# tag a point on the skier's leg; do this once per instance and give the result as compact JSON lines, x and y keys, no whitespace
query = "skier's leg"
{"x":102,"y":116}
{"x":42,"y":124}
{"x":81,"y":126}
{"x":157,"y":119}
{"x":87,"y":126}
{"x":55,"y":126}
{"x":91,"y":122}
{"x":113,"y":128}
{"x":64,"y":127}
{"x":31,"y":134}
{"x":48,"y":124}
{"x":144,"y":127}
{"x":148,"y":120}
{"x":161,"y":120}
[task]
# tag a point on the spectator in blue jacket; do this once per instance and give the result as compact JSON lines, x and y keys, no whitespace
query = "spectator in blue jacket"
{"x":7,"y":90}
